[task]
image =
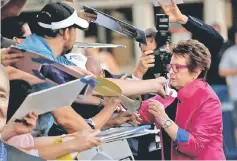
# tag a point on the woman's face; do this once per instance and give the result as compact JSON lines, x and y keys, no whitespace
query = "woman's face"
{"x":179,"y":73}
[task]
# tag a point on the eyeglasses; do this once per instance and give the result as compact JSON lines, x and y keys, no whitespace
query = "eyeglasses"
{"x":175,"y":67}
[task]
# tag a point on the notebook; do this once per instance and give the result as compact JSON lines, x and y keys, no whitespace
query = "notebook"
{"x":117,"y":25}
{"x":49,"y":99}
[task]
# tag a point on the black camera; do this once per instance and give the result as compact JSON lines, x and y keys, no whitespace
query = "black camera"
{"x":162,"y":56}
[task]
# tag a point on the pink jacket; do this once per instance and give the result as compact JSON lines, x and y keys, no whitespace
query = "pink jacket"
{"x":199,"y":117}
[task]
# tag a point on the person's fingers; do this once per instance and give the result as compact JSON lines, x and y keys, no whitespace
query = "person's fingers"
{"x":30,"y":116}
{"x":171,"y":93}
{"x":148,"y":52}
{"x":126,"y":114}
{"x":87,"y":16}
{"x":10,"y":61}
{"x":15,"y":55}
{"x":155,"y":102}
{"x":30,"y":121}
{"x":162,"y":80}
{"x":152,"y":112}
{"x":151,"y":56}
{"x":4,"y":51}
{"x":162,"y":93}
{"x":155,"y":105}
{"x":126,"y":119}
{"x":149,"y":61}
{"x":86,"y":132}
{"x":35,"y":115}
{"x":147,"y":57}
{"x":124,"y":76}
{"x":154,"y":108}
{"x":162,"y":6}
{"x":95,"y":133}
{"x":155,"y":113}
{"x":119,"y":108}
{"x":134,"y":119}
{"x":11,"y":56}
{"x":90,"y":15}
{"x":95,"y":142}
{"x":172,"y":2}
{"x":99,"y":141}
{"x":150,"y":65}
{"x":139,"y":119}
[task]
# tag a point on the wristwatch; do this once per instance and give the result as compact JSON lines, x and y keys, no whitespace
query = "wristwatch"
{"x":91,"y":123}
{"x":167,"y":123}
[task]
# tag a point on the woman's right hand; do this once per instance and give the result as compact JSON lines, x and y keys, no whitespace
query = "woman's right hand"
{"x":111,"y":102}
{"x":86,"y":140}
{"x":174,"y":13}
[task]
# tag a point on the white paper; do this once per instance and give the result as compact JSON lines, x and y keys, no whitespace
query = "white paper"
{"x":166,"y":2}
{"x":123,"y":132}
{"x":97,"y":45}
{"x":50,"y":99}
{"x":78,"y":59}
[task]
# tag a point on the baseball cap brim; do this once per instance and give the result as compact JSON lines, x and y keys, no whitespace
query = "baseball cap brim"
{"x":70,"y":21}
{"x":81,"y":23}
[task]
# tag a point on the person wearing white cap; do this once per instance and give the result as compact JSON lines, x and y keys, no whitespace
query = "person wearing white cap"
{"x":53,"y":36}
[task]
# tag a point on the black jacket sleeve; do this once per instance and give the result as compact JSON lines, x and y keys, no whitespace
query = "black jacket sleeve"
{"x":205,"y":34}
